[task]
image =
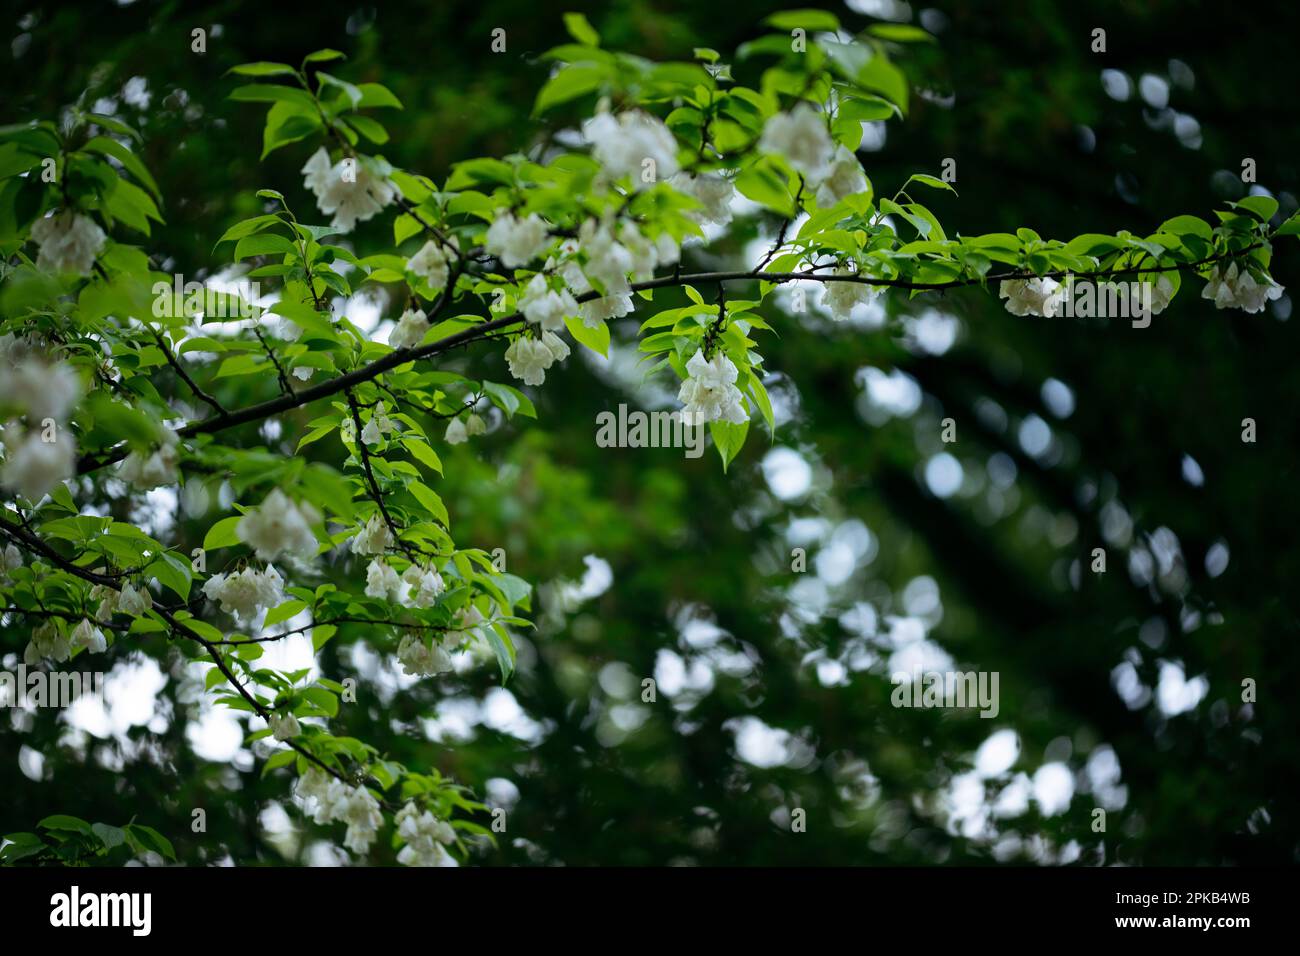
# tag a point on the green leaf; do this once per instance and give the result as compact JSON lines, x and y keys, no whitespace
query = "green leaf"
{"x":580,"y":29}
{"x":504,"y":649}
{"x":281,"y":758}
{"x":429,"y":499}
{"x":287,"y":123}
{"x":322,"y":698}
{"x":150,"y":839}
{"x":222,"y":534}
{"x":377,"y":95}
{"x":110,"y":836}
{"x":804,"y":20}
{"x":932,"y":181}
{"x":370,"y":129}
{"x":111,"y":147}
{"x":262,"y":68}
{"x":729,"y":439}
{"x":568,"y":84}
{"x":283,"y":612}
{"x":323,"y":56}
{"x":900,"y":33}
{"x":65,"y":823}
{"x":272,"y":93}
{"x":1291,"y":227}
{"x":509,"y":399}
{"x":1262,"y":206}
{"x":422,"y":453}
{"x":172,"y":573}
{"x":14,"y":160}
{"x":596,"y":339}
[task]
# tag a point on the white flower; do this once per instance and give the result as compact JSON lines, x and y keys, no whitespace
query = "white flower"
{"x":801,"y":137}
{"x":456,"y":432}
{"x":374,"y":538}
{"x":43,"y":390}
{"x":410,"y":330}
{"x":382,"y":581}
{"x":33,"y":466}
{"x":423,"y":586}
{"x":283,"y":727}
{"x":644,"y":253}
{"x":712,"y":192}
{"x":667,"y":250}
{"x":90,"y":637}
{"x":12,"y":559}
{"x":316,"y":173}
{"x":624,"y":144}
{"x":840,"y":298}
{"x":596,"y":311}
{"x":350,"y":190}
{"x":709,"y":393}
{"x":608,"y":261}
{"x":432,"y":263}
{"x":47,"y":641}
{"x":131,"y":601}
{"x":303,"y":372}
{"x":844,"y":178}
{"x":1033,"y":296}
{"x":1162,"y":293}
{"x":107,"y":598}
{"x":528,"y":359}
{"x":419,"y":659}
{"x":378,"y":426}
{"x":475,"y":425}
{"x":468,"y":620}
{"x":247,"y":593}
{"x":313,"y":784}
{"x":424,"y":836}
{"x":158,"y":467}
{"x":516,"y":242}
{"x":1235,"y":288}
{"x":279,"y":526}
{"x":559,"y":348}
{"x":542,"y":305}
{"x":360,"y":811}
{"x":68,"y":242}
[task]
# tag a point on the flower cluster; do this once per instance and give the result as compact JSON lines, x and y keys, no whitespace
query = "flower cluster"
{"x":418,"y":586}
{"x":424,"y":835}
{"x":1236,"y":288}
{"x":633,"y":143}
{"x":841,"y":298}
{"x":331,"y":800}
{"x":43,"y":453}
{"x":280,"y":527}
{"x":126,"y":601}
{"x":529,"y":357}
{"x":373,"y":538}
{"x":517,"y":242}
{"x":1043,"y":297}
{"x":432,"y":262}
{"x":709,"y":393}
{"x":157,"y":467}
{"x":422,"y":656}
{"x":68,"y":242}
{"x":350,"y":190}
{"x":49,"y":641}
{"x":410,"y":330}
{"x":247,"y":593}
{"x":802,"y":139}
{"x":459,"y":431}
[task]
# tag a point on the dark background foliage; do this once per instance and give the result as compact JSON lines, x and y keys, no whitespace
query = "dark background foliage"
{"x":1017,"y":100}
